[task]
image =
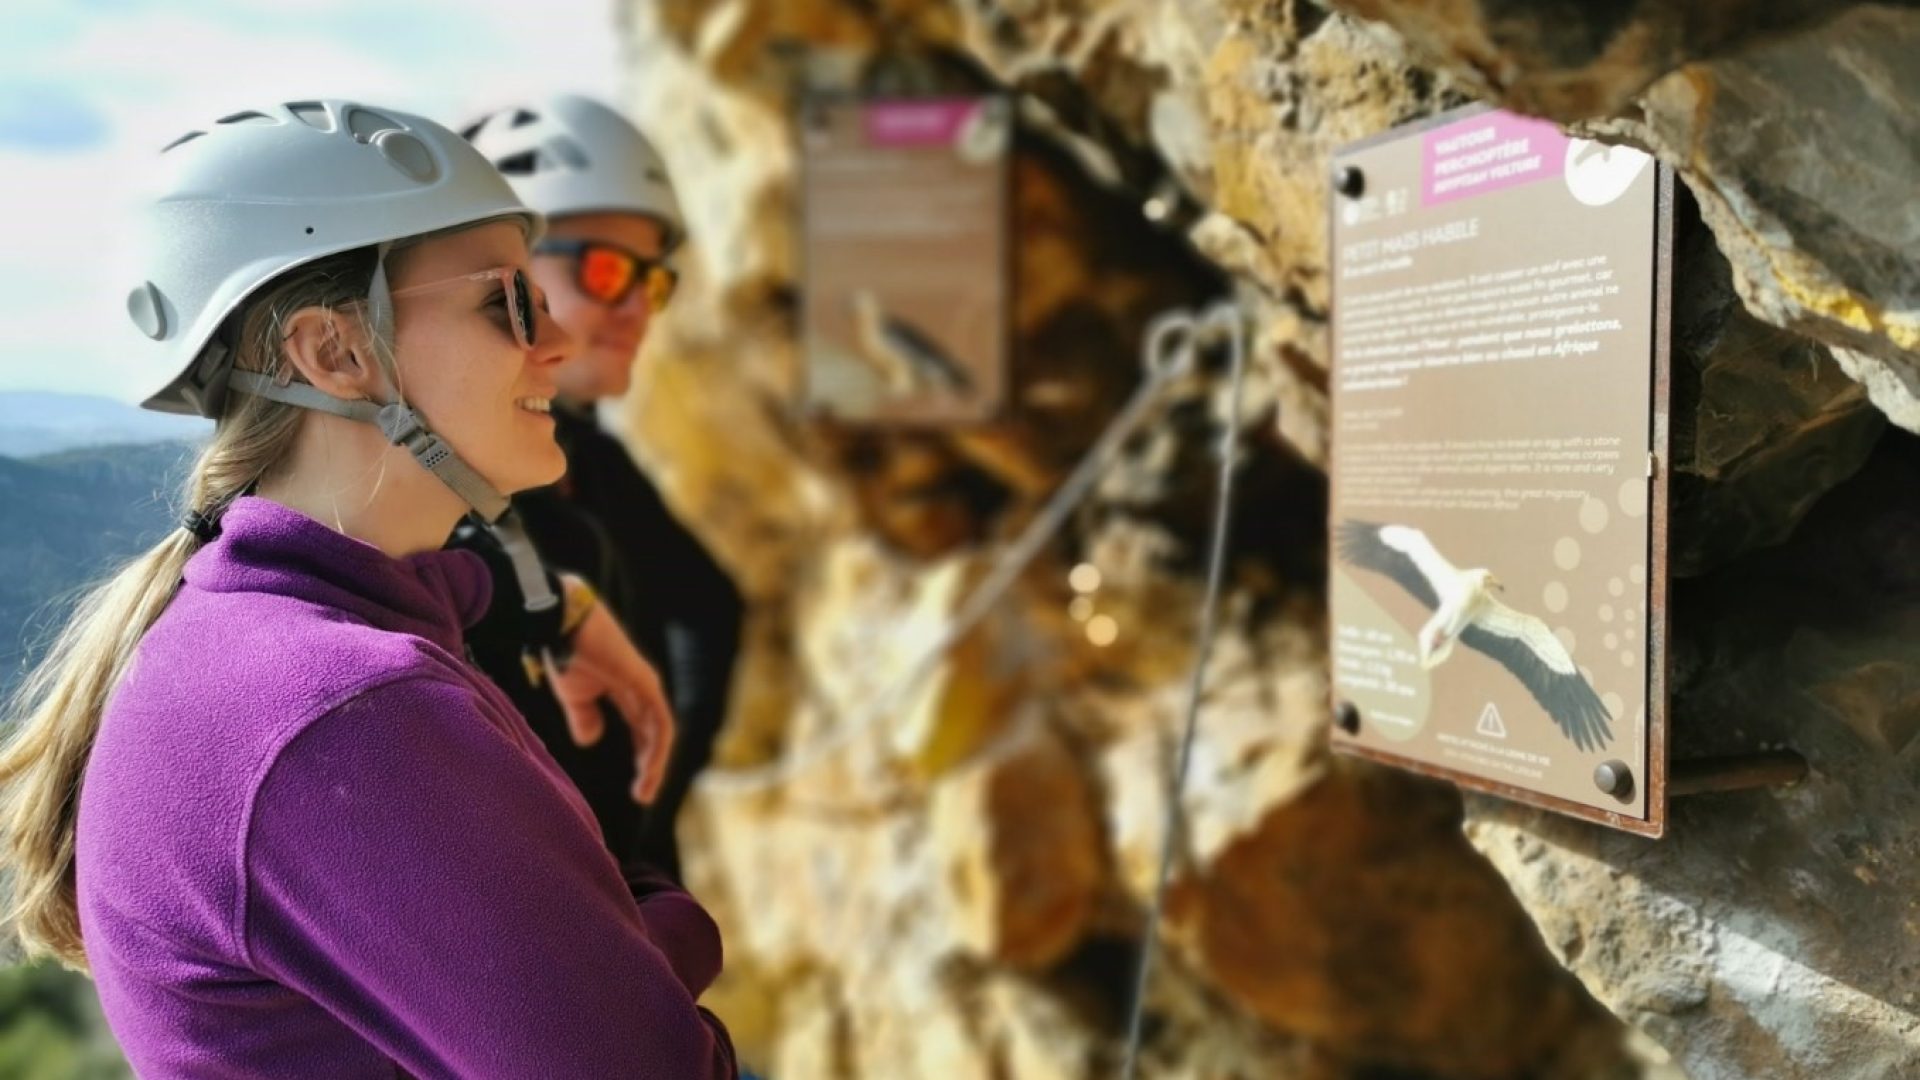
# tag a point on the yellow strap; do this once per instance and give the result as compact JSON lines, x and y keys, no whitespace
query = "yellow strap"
{"x":579,"y":600}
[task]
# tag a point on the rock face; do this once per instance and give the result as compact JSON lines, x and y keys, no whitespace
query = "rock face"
{"x":950,"y":880}
{"x":1802,"y":155}
{"x":1357,"y":891}
{"x":1573,"y":61}
{"x":1772,"y":933}
{"x":1763,"y":421}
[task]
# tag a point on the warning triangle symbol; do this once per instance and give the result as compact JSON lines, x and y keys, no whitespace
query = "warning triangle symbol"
{"x":1490,"y":723}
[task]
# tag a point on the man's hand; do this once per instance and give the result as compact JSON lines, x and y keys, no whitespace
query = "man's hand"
{"x":605,"y":664}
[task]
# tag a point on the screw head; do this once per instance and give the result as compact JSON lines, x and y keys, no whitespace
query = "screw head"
{"x":1348,"y":180}
{"x":1347,"y":717}
{"x":1613,"y":778}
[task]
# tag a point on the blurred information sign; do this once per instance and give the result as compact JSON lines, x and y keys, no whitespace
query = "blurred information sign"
{"x":905,"y":257}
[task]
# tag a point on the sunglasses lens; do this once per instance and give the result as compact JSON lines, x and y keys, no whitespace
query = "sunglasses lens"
{"x":523,"y":309}
{"x":605,"y":275}
{"x":660,"y":285}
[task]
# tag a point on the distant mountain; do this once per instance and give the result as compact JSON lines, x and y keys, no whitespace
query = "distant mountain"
{"x":68,"y":519}
{"x":34,"y":423}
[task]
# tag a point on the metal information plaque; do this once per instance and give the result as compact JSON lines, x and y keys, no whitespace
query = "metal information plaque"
{"x":905,"y":253}
{"x":1499,"y":416}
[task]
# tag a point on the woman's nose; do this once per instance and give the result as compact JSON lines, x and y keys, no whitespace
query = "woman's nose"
{"x":552,"y":343}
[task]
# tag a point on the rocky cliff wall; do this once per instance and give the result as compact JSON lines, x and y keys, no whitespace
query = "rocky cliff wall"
{"x":958,"y":889}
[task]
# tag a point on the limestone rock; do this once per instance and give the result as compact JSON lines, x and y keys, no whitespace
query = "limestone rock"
{"x":1289,"y":920}
{"x":1270,"y":91}
{"x":1771,"y":933}
{"x":1764,"y":422}
{"x":1326,"y":921}
{"x":1022,"y":851}
{"x":1801,"y":153}
{"x":1572,"y":61}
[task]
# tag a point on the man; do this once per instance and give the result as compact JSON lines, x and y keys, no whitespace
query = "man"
{"x":613,"y":220}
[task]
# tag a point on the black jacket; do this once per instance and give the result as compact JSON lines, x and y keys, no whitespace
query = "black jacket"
{"x":607,"y":523}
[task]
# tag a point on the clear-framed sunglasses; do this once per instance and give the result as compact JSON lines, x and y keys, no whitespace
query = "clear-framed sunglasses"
{"x":519,"y":297}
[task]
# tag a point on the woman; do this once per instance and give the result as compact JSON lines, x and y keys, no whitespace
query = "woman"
{"x":256,"y":788}
{"x":614,"y":221}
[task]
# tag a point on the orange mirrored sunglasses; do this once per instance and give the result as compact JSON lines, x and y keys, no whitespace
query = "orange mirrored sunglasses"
{"x":608,"y":273}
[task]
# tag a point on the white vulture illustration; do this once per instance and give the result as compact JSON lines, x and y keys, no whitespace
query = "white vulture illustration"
{"x":1465,"y":611}
{"x":903,"y":355}
{"x":1603,"y":151}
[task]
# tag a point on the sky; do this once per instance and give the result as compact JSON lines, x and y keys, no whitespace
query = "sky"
{"x":90,"y":90}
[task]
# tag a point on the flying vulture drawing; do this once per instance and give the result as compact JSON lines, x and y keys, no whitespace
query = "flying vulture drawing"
{"x":904,"y":357}
{"x":1465,"y":610}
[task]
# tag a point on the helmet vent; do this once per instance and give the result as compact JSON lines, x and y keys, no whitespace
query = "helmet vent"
{"x":188,"y":137}
{"x":409,"y":155}
{"x":521,"y":164}
{"x":248,"y":117}
{"x":365,"y":124}
{"x":313,"y":114}
{"x":521,"y":118}
{"x":565,"y":151}
{"x":147,"y":311}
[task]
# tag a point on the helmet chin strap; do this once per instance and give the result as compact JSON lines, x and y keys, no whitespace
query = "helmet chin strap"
{"x":406,"y":428}
{"x":402,"y":426}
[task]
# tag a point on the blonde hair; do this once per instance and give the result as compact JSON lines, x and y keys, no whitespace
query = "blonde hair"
{"x":56,"y":713}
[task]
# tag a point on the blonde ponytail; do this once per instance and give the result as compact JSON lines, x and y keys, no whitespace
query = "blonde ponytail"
{"x":41,"y":764}
{"x":56,"y":713}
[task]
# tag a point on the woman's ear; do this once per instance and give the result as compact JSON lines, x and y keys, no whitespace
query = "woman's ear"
{"x":331,"y":351}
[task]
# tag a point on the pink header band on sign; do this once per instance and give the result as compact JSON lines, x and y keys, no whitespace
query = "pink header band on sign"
{"x":1486,"y":153}
{"x":935,"y":121}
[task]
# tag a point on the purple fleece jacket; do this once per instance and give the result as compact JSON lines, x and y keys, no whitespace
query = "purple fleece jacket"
{"x":315,"y":841}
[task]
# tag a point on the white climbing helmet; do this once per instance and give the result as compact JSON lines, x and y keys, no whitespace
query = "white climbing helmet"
{"x":261,"y":191}
{"x":572,"y":155}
